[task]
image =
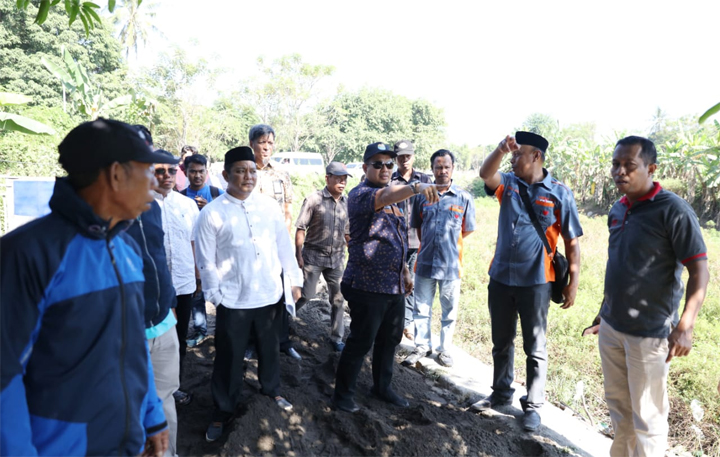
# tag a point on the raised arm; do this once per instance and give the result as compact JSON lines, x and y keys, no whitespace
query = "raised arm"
{"x":489,"y":169}
{"x":393,"y":194}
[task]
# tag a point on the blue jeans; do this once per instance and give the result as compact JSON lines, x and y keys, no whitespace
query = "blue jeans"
{"x":449,"y":301}
{"x":410,"y":298}
{"x":199,"y":315}
{"x":531,"y":303}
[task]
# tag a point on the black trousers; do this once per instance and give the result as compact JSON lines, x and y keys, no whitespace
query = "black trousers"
{"x":232,"y":335}
{"x":183,"y":308}
{"x":284,"y":329}
{"x":377,"y":319}
{"x":531,"y":304}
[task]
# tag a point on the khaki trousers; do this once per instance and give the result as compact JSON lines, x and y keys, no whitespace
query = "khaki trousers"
{"x":165,"y":358}
{"x":635,"y":376}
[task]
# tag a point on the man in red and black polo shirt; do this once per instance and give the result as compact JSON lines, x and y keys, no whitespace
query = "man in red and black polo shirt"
{"x":654,"y":235}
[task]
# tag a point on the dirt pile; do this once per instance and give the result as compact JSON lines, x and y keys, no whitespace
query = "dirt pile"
{"x":436,"y":423}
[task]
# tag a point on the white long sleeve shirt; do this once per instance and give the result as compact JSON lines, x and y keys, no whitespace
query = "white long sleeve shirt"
{"x":179,"y":214}
{"x":242,"y":248}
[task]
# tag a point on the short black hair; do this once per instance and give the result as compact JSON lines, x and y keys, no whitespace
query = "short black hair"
{"x":647,"y":147}
{"x":187,"y":148}
{"x":259,"y":131}
{"x":195,"y":158}
{"x":441,"y":153}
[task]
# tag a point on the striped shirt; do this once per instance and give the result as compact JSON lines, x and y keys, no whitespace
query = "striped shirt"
{"x":325,"y":222}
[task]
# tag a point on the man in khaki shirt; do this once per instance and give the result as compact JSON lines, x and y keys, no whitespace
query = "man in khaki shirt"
{"x":272,"y":181}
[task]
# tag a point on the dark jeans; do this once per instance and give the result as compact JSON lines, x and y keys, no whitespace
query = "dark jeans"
{"x":410,"y":299}
{"x":183,"y":308}
{"x":232,"y":335}
{"x":375,"y":319}
{"x":531,"y":304}
{"x":199,"y":315}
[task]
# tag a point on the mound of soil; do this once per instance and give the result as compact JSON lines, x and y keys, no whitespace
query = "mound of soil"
{"x":436,"y":423}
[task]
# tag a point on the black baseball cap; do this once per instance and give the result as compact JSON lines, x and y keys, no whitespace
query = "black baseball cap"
{"x":404,"y":147}
{"x":337,"y":169}
{"x":97,"y":144}
{"x":378,"y":148}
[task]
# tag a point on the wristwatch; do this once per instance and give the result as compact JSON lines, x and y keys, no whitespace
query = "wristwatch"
{"x":415,"y":187}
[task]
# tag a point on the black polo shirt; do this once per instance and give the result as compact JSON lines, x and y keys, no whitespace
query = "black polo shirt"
{"x":650,"y":243}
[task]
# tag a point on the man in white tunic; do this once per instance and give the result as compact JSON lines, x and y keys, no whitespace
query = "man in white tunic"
{"x":179,"y":215}
{"x":248,"y":270}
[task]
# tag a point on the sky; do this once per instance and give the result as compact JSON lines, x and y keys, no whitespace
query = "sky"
{"x":488,"y":64}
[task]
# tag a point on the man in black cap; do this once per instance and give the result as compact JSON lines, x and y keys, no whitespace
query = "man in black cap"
{"x":248,"y":270}
{"x":76,"y":376}
{"x":405,"y":173}
{"x":320,"y":240}
{"x":521,"y":271}
{"x":376,"y":277}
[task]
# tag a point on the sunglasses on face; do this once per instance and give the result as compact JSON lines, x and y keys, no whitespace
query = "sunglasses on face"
{"x":378,"y":165}
{"x":163,"y":171}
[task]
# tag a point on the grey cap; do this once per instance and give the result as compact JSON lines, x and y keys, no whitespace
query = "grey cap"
{"x":337,"y":169}
{"x":404,"y":147}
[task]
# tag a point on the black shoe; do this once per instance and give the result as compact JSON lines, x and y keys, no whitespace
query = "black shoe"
{"x":182,"y":398}
{"x":391,"y":397}
{"x":490,"y":402}
{"x":349,"y":406}
{"x":337,"y":346}
{"x":531,"y":420}
{"x":523,"y":403}
{"x":215,"y":431}
{"x":291,"y":352}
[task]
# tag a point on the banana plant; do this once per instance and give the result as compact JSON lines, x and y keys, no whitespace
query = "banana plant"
{"x":87,"y":98}
{"x":16,"y":123}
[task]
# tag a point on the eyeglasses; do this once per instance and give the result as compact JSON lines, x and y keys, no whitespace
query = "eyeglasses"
{"x":169,"y":171}
{"x":378,"y":165}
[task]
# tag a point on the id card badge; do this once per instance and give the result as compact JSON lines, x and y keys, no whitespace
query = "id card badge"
{"x":278,"y":187}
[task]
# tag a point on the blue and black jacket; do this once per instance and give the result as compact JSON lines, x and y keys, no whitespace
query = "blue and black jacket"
{"x":76,"y":375}
{"x":160,"y":296}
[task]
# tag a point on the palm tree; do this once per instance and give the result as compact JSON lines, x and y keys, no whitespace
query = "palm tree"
{"x":135,"y":23}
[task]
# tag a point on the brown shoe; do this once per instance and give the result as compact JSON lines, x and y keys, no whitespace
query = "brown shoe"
{"x":408,"y":334}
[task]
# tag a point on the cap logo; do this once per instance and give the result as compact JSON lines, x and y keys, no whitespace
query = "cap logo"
{"x":402,"y":145}
{"x":381,"y":147}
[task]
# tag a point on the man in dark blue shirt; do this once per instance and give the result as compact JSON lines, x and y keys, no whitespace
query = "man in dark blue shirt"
{"x":376,"y":277}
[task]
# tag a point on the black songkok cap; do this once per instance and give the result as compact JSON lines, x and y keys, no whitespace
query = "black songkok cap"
{"x":532,"y":139}
{"x":238,"y":154}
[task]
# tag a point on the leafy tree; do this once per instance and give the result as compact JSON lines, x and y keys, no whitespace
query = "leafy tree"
{"x":23,"y":44}
{"x":352,"y":120}
{"x":135,"y":24}
{"x":86,"y":11}
{"x":283,"y":97}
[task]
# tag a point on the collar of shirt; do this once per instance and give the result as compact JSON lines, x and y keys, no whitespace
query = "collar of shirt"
{"x":452,"y":189}
{"x":649,"y":196}
{"x":326,"y":193}
{"x":545,"y":182}
{"x":158,"y":195}
{"x":251,"y":198}
{"x":268,"y":166}
{"x":414,"y":176}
